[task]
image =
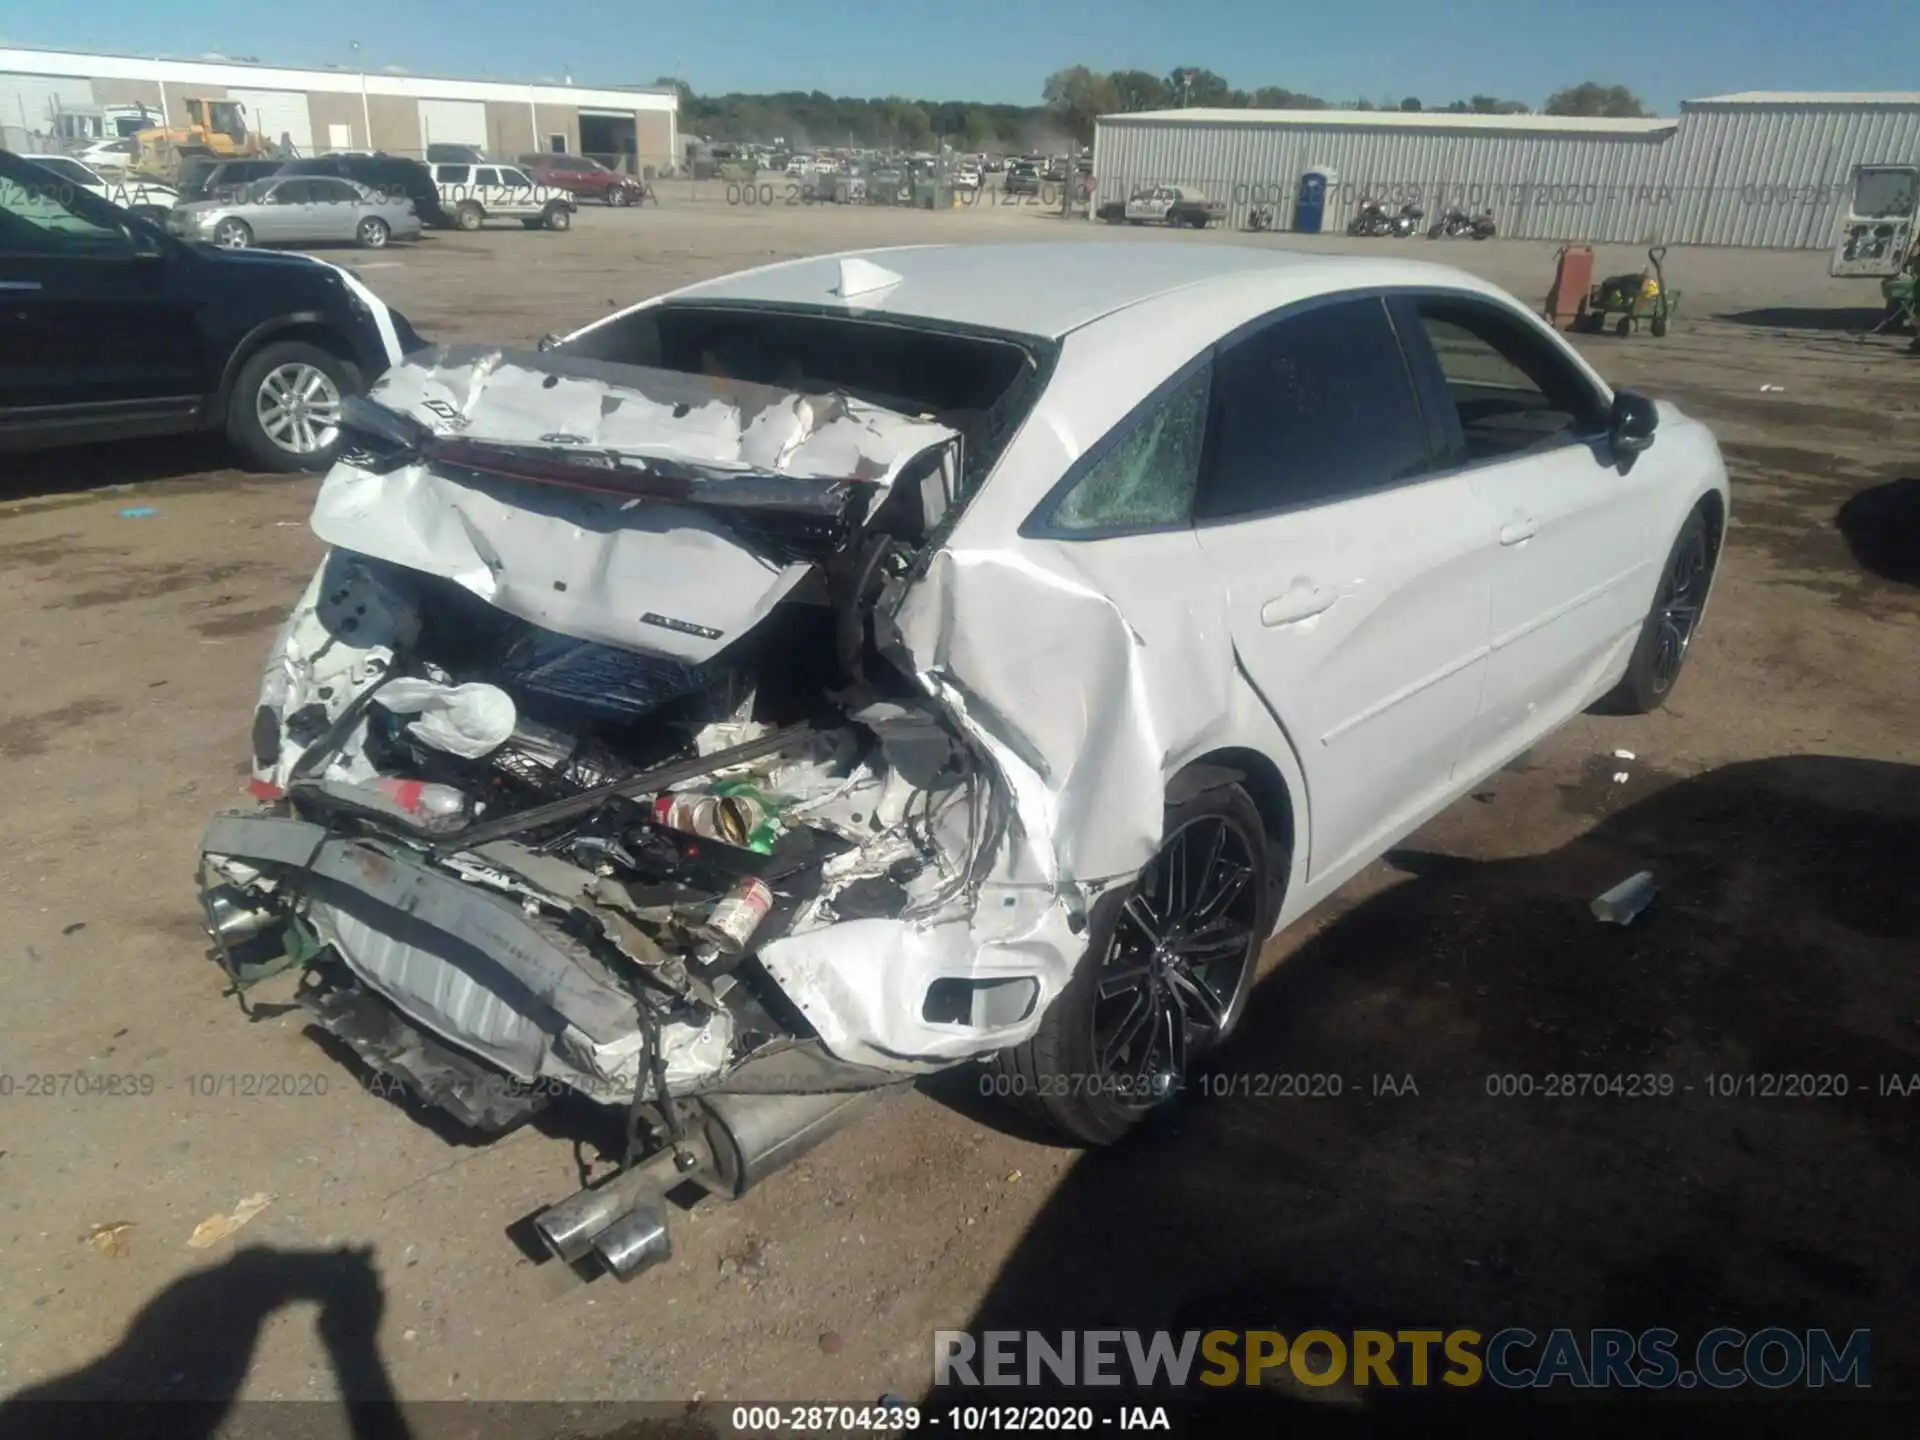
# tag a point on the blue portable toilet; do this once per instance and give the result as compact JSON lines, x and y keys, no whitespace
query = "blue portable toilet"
{"x":1310,"y":205}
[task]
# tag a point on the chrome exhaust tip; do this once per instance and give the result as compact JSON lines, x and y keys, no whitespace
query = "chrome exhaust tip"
{"x":635,"y":1242}
{"x":569,"y":1227}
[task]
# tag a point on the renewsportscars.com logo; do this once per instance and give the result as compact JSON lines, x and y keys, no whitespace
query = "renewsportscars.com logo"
{"x":1513,"y":1359}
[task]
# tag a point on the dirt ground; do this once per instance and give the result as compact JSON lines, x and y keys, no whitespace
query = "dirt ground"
{"x":1777,"y":800}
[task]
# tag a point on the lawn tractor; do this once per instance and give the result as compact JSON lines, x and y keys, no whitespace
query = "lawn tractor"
{"x":1627,"y":300}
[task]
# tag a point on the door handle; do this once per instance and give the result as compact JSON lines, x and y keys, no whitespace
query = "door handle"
{"x":1518,"y":530}
{"x":18,"y":285}
{"x":1303,"y":601}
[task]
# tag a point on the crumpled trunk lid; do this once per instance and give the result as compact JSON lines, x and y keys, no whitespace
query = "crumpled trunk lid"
{"x":654,"y":510}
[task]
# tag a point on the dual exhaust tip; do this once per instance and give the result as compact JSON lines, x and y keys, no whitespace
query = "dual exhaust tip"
{"x":621,"y":1224}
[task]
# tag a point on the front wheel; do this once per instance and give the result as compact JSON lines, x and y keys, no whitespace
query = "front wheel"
{"x":1667,"y":633}
{"x":284,"y":414}
{"x":373,"y":233}
{"x":1169,"y":963}
{"x":232,"y":235}
{"x":618,"y":197}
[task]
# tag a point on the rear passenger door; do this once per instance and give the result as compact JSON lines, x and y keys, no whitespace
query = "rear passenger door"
{"x":1358,"y":581}
{"x":1575,"y":558}
{"x":336,"y":209}
{"x":284,"y":215}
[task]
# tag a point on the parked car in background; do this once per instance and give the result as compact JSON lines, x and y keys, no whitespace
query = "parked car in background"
{"x":582,"y":178}
{"x":451,"y":154}
{"x":298,"y":210}
{"x":1163,"y":205}
{"x":965,"y":176}
{"x":210,"y":179}
{"x":392,"y":175}
{"x":146,"y":198}
{"x":119,"y":330}
{"x":474,"y":194}
{"x":1022,"y":178}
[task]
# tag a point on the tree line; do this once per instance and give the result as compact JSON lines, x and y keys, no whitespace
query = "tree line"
{"x":1071,"y":99}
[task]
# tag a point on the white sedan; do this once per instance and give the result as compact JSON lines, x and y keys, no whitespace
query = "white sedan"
{"x":866,"y":664}
{"x":146,"y":198}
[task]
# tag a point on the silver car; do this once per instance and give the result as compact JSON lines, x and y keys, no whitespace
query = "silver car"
{"x":297,"y":210}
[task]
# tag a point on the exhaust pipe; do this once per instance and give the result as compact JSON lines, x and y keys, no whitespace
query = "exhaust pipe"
{"x":622,"y":1222}
{"x":637,"y":1241}
{"x":569,"y":1228}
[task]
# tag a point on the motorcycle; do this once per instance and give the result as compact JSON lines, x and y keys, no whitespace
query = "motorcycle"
{"x":1407,"y":222}
{"x":1457,"y":223}
{"x":1372,"y":219}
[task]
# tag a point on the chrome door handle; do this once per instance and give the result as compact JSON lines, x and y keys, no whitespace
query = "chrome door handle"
{"x":1303,"y":601}
{"x":1518,"y":530}
{"x":19,"y":284}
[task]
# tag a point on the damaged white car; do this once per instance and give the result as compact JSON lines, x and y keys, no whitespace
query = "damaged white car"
{"x":860,"y":666}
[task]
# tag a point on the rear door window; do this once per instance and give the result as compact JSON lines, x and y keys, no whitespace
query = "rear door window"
{"x":1315,"y":407}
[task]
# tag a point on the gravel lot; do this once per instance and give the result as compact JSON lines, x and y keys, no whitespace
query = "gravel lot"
{"x":1777,"y":800}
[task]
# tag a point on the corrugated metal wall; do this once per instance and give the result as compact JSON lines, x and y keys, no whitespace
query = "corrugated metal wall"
{"x":1778,"y":176}
{"x":1772,"y":176}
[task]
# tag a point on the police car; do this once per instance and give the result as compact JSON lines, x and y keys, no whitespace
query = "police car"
{"x":1163,"y":205}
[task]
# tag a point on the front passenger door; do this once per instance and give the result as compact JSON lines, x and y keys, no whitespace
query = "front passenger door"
{"x":1574,"y":563}
{"x":1358,"y":581}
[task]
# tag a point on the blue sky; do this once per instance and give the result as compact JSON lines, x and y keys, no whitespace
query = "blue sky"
{"x":1001,"y":50}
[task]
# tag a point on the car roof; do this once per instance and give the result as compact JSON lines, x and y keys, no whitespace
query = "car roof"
{"x":1042,"y":289}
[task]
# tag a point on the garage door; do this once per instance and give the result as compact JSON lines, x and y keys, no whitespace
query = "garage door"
{"x":274,"y":113}
{"x":453,"y":122}
{"x":28,"y":104}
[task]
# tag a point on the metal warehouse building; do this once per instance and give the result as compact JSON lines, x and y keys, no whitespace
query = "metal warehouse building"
{"x":1761,"y":169}
{"x":47,"y":96}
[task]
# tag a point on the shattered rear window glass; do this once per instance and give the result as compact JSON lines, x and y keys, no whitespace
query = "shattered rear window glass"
{"x":1147,"y":477}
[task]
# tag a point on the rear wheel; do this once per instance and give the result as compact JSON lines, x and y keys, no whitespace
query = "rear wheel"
{"x":1169,"y":962}
{"x":1668,"y":631}
{"x":468,"y":216}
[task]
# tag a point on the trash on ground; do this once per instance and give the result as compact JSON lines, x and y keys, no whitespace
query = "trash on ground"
{"x":138,"y":512}
{"x":1620,"y":777}
{"x":1626,"y":900}
{"x":110,"y":1239}
{"x":1625,"y":755}
{"x":215,"y":1228}
{"x":1773,"y":389}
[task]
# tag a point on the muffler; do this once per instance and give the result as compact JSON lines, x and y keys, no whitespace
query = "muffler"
{"x":622,"y":1222}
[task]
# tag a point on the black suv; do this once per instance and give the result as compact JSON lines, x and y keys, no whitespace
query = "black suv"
{"x":1023,"y":178}
{"x":221,"y":179}
{"x":114,"y":329}
{"x":393,"y":176}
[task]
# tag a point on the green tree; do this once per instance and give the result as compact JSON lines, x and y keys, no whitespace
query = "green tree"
{"x":1136,"y":90}
{"x":1077,"y":96}
{"x":1190,"y":85}
{"x":1592,"y":98}
{"x":1411,"y":105}
{"x":1274,"y":97}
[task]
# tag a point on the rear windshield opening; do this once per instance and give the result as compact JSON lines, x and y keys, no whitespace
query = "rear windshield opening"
{"x":979,"y":385}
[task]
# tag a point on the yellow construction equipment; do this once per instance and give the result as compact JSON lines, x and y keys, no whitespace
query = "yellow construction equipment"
{"x":214,"y":127}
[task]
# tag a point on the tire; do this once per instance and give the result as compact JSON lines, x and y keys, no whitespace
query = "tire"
{"x":300,"y":441}
{"x":619,"y":198}
{"x":1658,"y":327}
{"x":1058,"y":1074}
{"x":232,"y":234}
{"x":559,"y":218}
{"x":1623,"y":327}
{"x":468,"y":216}
{"x":373,"y":233}
{"x":1665,"y":638}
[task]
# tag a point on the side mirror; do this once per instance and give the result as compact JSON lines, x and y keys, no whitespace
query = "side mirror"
{"x":1630,"y":428}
